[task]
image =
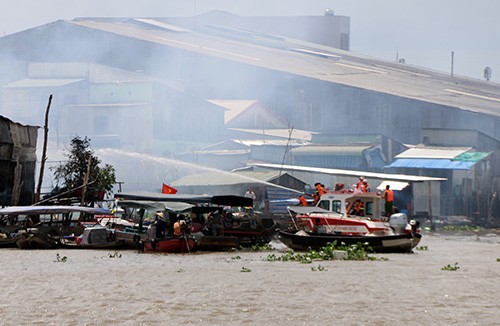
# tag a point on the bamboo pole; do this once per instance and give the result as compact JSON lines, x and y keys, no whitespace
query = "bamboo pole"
{"x":44,"y":151}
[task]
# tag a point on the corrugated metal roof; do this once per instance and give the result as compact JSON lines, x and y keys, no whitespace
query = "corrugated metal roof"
{"x":341,"y":172}
{"x":29,"y":82}
{"x":472,"y":156}
{"x":107,"y":105}
{"x":427,"y":163}
{"x":224,"y":178}
{"x":348,"y":69}
{"x":280,"y":133}
{"x":338,"y":150}
{"x":160,"y":24}
{"x":233,"y":107}
{"x":272,"y":142}
{"x":433,"y":152}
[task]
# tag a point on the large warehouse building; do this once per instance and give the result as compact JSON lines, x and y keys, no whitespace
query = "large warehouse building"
{"x":150,"y":85}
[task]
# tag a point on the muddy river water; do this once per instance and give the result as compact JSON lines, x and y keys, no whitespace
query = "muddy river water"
{"x":91,"y":287}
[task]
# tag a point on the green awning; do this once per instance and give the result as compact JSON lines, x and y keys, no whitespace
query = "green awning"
{"x":471,"y":156}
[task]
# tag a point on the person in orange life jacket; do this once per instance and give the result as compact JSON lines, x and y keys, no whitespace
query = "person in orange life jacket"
{"x":320,"y":188}
{"x":302,"y":200}
{"x":359,"y":208}
{"x":359,"y":185}
{"x":365,"y":187}
{"x":389,"y":201}
{"x":179,"y":228}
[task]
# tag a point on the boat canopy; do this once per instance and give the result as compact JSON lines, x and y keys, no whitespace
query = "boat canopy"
{"x":372,"y":175}
{"x":36,"y":210}
{"x":307,"y":209}
{"x":224,"y":200}
{"x":174,"y":207}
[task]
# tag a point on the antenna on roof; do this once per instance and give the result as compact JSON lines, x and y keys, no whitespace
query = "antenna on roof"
{"x":487,"y":73}
{"x":452,"y":59}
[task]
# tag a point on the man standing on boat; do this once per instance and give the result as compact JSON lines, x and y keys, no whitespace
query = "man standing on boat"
{"x":389,"y":201}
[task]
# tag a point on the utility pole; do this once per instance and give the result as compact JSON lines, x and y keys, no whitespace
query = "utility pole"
{"x":452,"y":62}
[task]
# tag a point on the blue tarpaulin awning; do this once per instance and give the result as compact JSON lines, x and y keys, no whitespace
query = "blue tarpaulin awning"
{"x":427,"y":163}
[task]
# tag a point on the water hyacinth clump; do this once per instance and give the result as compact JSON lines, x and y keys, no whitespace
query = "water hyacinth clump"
{"x":451,"y":267}
{"x":61,"y":259}
{"x":332,"y":251}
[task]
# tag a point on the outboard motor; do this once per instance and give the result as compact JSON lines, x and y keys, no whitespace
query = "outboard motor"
{"x":398,"y":222}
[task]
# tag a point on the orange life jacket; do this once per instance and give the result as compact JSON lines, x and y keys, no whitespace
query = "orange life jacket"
{"x":389,"y":195}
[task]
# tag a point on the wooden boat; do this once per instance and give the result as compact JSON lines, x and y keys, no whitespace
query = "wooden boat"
{"x":170,"y":245}
{"x":53,"y":223}
{"x":96,"y":237}
{"x":348,"y":218}
{"x":32,"y":240}
{"x":247,"y":228}
{"x":251,"y":229}
{"x":110,"y":245}
{"x":10,"y":242}
{"x":217,"y":243}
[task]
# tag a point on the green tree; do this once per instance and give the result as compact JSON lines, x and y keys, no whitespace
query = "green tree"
{"x":72,"y":172}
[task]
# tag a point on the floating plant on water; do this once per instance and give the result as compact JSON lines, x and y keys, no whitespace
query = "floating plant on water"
{"x":115,"y":255}
{"x":332,"y":251}
{"x":451,"y":267}
{"x":262,"y":247}
{"x":61,"y":259}
{"x":319,"y":268}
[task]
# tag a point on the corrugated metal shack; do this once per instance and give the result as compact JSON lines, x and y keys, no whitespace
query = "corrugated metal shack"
{"x":17,"y":162}
{"x":271,"y":188}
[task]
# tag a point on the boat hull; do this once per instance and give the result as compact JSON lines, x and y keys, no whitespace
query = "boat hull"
{"x":386,"y":243}
{"x":112,"y":245}
{"x":36,"y":241}
{"x":172,"y":245}
{"x":9,"y":242}
{"x":217,"y":243}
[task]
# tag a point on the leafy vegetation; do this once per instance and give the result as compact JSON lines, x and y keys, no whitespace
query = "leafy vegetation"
{"x":422,"y":248}
{"x":462,"y":228}
{"x":72,"y":173}
{"x":61,"y":259}
{"x":451,"y":267}
{"x":319,"y":268}
{"x":263,"y":247}
{"x":115,"y":255}
{"x":245,"y":270}
{"x":359,"y":251}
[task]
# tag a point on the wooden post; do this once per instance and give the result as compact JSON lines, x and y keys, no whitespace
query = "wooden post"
{"x":44,"y":151}
{"x":433,"y":226}
{"x":16,"y":189}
